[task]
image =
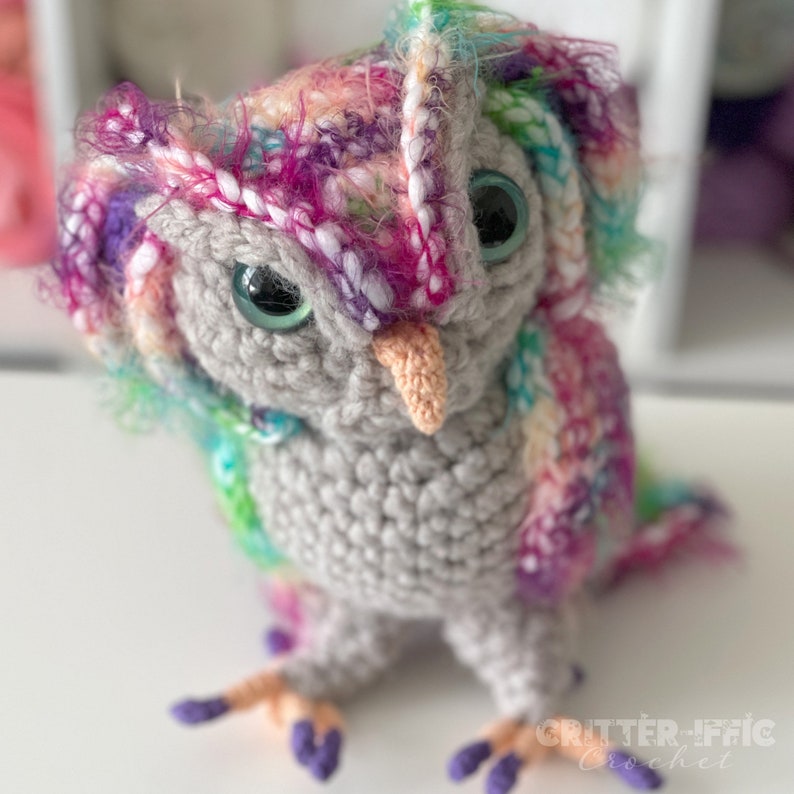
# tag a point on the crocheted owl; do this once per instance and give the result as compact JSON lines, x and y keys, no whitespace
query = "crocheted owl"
{"x":370,"y":291}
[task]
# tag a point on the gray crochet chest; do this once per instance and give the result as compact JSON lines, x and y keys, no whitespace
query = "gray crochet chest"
{"x":403,"y":523}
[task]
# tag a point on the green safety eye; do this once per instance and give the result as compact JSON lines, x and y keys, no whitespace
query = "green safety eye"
{"x":501,"y":214}
{"x":267,"y":300}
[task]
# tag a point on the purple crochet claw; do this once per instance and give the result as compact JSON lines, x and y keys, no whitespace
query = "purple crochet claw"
{"x":468,"y":760}
{"x":326,"y":757}
{"x":504,"y":774}
{"x":302,"y":742}
{"x":278,"y":641}
{"x":194,"y":712}
{"x":632,"y":771}
{"x":321,"y":760}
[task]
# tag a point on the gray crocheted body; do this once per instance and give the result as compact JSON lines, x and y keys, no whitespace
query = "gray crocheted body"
{"x":409,"y":526}
{"x":391,"y":524}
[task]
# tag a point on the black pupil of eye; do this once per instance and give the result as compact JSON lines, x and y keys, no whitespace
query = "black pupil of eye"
{"x":271,"y":295}
{"x":495,"y":215}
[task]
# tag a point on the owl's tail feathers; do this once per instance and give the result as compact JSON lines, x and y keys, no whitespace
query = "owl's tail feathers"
{"x":673,"y":520}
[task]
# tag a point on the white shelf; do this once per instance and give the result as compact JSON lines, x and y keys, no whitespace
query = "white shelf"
{"x":737,"y":328}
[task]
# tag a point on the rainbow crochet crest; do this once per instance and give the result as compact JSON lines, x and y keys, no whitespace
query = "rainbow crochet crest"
{"x":350,"y":157}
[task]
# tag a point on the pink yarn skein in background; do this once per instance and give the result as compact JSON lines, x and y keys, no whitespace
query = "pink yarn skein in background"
{"x":26,"y":194}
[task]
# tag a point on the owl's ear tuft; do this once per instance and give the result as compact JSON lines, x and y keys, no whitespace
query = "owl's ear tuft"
{"x":125,"y":121}
{"x":563,"y":100}
{"x":113,"y":169}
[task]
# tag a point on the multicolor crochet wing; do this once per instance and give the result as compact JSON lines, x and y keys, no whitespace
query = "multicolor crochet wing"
{"x":114,"y":277}
{"x":565,"y":104}
{"x":580,"y":453}
{"x":594,"y":517}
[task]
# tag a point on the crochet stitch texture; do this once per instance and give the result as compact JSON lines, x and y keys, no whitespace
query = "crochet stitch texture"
{"x":446,"y":436}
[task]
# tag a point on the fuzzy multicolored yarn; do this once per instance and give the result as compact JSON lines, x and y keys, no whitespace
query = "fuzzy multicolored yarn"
{"x":440,"y":216}
{"x":347,"y":156}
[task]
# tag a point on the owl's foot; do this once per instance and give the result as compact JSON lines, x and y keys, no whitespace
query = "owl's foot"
{"x":514,"y":745}
{"x":315,"y":726}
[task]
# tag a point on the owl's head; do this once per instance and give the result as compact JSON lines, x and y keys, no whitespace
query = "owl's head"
{"x":359,"y":244}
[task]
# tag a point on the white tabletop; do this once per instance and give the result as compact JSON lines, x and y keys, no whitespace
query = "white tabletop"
{"x":121,"y":591}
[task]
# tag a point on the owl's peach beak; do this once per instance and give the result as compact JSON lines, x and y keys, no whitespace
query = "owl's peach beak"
{"x":413,"y":354}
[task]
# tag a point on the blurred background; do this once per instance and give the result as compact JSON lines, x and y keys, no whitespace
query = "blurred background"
{"x":716,"y":81}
